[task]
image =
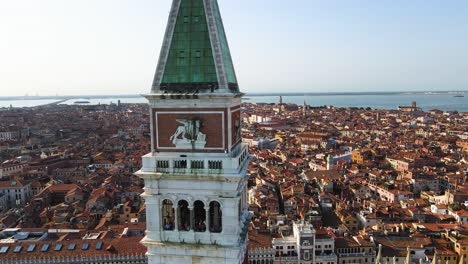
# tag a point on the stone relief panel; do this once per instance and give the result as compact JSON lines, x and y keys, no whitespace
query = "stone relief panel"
{"x":236,"y":126}
{"x":186,"y":131}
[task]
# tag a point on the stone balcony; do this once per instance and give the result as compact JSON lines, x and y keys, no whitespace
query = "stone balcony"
{"x":326,"y":258}
{"x":197,"y":164}
{"x":323,"y":241}
{"x":360,"y":254}
{"x":287,"y":259}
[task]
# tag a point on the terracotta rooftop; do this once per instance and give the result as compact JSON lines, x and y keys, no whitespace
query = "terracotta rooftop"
{"x":62,"y":187}
{"x":259,"y":240}
{"x":82,"y":247}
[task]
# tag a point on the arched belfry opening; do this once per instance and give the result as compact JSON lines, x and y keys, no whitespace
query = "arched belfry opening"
{"x":215,"y":217}
{"x":168,"y":214}
{"x":200,"y":216}
{"x":184,"y":216}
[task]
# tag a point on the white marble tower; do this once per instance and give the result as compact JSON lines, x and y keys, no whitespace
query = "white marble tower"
{"x":195,"y":176}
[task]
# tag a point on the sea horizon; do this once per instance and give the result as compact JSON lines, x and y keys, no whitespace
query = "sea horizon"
{"x":442,"y":100}
{"x":40,"y":97}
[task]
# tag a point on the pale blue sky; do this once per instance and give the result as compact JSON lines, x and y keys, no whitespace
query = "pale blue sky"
{"x":76,"y":47}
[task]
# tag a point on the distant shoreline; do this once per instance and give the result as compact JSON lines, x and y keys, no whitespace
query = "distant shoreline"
{"x":69,"y":97}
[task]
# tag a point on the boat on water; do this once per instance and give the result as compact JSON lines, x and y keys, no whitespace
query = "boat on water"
{"x":458,"y":95}
{"x":81,"y":102}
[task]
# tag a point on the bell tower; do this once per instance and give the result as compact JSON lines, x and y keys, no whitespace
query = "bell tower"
{"x":195,"y":176}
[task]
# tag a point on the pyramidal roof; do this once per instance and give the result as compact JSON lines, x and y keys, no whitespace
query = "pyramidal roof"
{"x":195,"y":56}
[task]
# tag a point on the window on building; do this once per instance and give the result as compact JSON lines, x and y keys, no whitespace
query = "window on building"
{"x":215,"y":217}
{"x":181,"y":55}
{"x":200,"y":216}
{"x":18,"y":249}
{"x":184,"y":216}
{"x":168,"y":215}
{"x":4,"y":249}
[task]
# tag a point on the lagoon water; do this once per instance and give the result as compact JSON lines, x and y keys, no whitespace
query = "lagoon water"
{"x":388,"y":101}
{"x":442,"y":101}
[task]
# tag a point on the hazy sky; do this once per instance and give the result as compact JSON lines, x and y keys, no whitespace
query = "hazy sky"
{"x":75,"y":47}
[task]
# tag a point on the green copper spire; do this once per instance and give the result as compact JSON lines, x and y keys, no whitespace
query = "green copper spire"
{"x":195,"y":56}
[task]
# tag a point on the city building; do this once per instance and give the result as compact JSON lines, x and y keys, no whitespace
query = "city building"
{"x":10,"y":167}
{"x":17,"y":192}
{"x":9,"y":135}
{"x":355,"y":249}
{"x":305,"y":246}
{"x":69,"y":246}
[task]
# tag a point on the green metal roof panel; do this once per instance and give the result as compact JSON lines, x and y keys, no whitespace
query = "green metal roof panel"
{"x":190,"y":59}
{"x":228,"y":65}
{"x":195,"y":56}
